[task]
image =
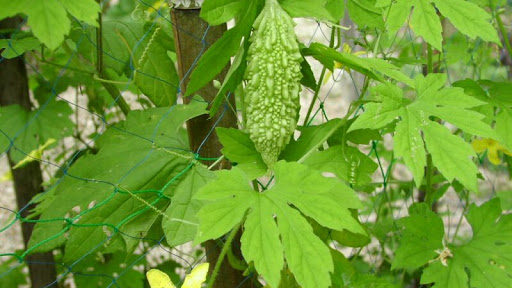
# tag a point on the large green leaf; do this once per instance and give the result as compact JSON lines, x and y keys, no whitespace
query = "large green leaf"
{"x":467,"y":17}
{"x":484,"y":261}
{"x":498,"y":97}
{"x":497,"y":94}
{"x":311,"y":263}
{"x":97,"y":226}
{"x":336,"y":8}
{"x":310,"y":8}
{"x":239,"y":149}
{"x":346,"y":162}
{"x":49,"y":19}
{"x":365,"y":14}
{"x":29,"y":130}
{"x":501,"y":94}
{"x":217,"y":12}
{"x":409,"y":144}
{"x":378,"y":115}
{"x":230,"y":199}
{"x":139,"y":50}
{"x":311,"y":138}
{"x":421,"y":238}
{"x":16,"y":47}
{"x":123,"y":43}
{"x":451,"y":154}
{"x":96,"y":271}
{"x":325,"y":190}
{"x":119,"y":40}
{"x":180,"y":222}
{"x":156,"y":75}
{"x":136,"y":161}
{"x":261,"y":243}
{"x":398,"y":13}
{"x":504,"y":128}
{"x":84,"y":10}
{"x":449,"y":104}
{"x":426,"y":23}
{"x":350,"y":274}
{"x":486,"y":3}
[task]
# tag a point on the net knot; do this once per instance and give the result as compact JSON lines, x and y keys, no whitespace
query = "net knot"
{"x":21,"y":260}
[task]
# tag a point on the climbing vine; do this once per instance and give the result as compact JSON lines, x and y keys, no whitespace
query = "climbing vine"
{"x":404,"y":184}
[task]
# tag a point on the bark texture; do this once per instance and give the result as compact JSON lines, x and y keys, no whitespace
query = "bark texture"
{"x":28,"y":179}
{"x":188,"y":32}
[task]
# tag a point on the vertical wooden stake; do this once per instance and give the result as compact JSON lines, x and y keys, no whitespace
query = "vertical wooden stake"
{"x":189,"y":29}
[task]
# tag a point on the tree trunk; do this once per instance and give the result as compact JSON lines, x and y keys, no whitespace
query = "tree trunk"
{"x":188,"y":47}
{"x":28,"y":179}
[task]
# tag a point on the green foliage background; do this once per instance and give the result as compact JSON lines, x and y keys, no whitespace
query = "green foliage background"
{"x":330,"y":213}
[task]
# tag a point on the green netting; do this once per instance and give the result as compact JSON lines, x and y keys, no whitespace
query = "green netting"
{"x":151,"y":203}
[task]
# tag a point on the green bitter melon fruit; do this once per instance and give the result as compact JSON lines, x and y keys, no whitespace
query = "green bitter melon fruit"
{"x":273,"y":82}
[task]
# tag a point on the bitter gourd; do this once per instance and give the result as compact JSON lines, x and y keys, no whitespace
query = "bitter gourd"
{"x":273,"y":82}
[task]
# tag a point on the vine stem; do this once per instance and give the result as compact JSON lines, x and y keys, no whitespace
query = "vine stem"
{"x":95,"y":77}
{"x":430,"y":62}
{"x":216,"y":162}
{"x":503,"y":31}
{"x":459,"y":223}
{"x":223,"y":253}
{"x":429,"y":193}
{"x":430,"y":167}
{"x":235,"y":262}
{"x":111,"y":89}
{"x":320,"y":81}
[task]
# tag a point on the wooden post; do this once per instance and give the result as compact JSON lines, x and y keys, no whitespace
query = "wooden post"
{"x":28,"y":179}
{"x":189,"y":28}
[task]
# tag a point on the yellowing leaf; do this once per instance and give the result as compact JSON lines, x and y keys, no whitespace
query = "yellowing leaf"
{"x":158,"y":279}
{"x":493,"y":147}
{"x":196,"y":277}
{"x":34,"y":155}
{"x":338,"y":65}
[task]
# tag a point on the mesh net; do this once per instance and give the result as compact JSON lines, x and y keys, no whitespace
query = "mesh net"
{"x":151,"y":250}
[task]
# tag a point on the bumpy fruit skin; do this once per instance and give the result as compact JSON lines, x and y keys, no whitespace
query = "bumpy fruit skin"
{"x":273,"y":87}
